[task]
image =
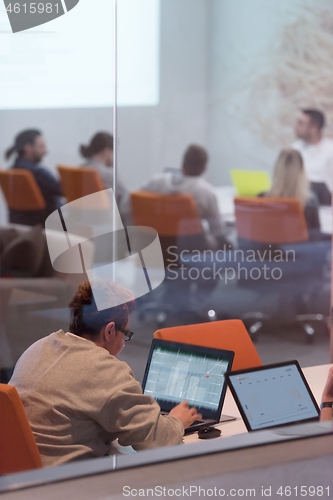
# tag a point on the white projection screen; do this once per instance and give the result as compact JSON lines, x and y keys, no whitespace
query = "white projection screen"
{"x":69,"y":62}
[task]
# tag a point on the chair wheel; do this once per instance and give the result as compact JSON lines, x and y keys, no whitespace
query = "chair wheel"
{"x":310,"y":331}
{"x":254,"y":329}
{"x":161,"y":318}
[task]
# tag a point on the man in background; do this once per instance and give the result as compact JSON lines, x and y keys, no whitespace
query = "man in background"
{"x":30,"y":149}
{"x":189,"y":181}
{"x":317,"y":153}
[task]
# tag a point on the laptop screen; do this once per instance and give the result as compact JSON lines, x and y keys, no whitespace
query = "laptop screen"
{"x":250,"y":182}
{"x":176,"y":372}
{"x":273,"y":396}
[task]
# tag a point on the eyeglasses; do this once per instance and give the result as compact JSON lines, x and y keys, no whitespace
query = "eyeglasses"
{"x":127,"y":333}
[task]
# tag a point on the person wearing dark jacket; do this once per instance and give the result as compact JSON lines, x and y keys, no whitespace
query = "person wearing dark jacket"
{"x":30,"y":148}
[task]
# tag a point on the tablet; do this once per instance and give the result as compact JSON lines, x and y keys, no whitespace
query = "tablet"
{"x":273,"y":396}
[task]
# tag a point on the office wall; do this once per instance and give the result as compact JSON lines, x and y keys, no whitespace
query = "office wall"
{"x":266,"y":61}
{"x":150,"y":137}
{"x":241,"y":33}
{"x":216,"y":58}
{"x":154,"y":138}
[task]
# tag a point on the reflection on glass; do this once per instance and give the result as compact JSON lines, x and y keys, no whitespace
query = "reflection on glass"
{"x":209,"y":98}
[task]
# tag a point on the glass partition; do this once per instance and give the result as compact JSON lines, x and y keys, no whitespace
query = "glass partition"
{"x":219,"y":142}
{"x":57,"y":79}
{"x":233,"y":81}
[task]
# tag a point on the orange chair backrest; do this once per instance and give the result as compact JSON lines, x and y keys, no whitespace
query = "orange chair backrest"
{"x":270,"y":220}
{"x":77,"y":182}
{"x":228,"y":334}
{"x":18,"y":449}
{"x":21,"y":190}
{"x":169,"y":214}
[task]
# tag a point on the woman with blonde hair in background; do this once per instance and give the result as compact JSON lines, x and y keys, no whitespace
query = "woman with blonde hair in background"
{"x":290,"y":181}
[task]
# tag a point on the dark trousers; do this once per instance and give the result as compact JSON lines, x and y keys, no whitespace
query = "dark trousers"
{"x":323,"y":193}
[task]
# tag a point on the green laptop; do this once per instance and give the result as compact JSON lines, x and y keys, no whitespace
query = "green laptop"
{"x":250,"y":182}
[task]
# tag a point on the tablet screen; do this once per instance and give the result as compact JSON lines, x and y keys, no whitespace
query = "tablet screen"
{"x":273,"y":396}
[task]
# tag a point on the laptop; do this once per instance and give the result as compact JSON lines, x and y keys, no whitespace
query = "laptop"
{"x":273,"y":396}
{"x":250,"y":182}
{"x":176,"y":372}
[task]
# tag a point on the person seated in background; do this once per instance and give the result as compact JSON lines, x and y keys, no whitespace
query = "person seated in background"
{"x":327,"y":399}
{"x":189,"y":181}
{"x":317,"y":153}
{"x":290,"y":181}
{"x":30,"y":148}
{"x":79,"y":398}
{"x":99,"y":155}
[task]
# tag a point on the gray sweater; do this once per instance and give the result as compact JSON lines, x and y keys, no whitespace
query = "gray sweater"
{"x":78,"y":399}
{"x":203,"y":194}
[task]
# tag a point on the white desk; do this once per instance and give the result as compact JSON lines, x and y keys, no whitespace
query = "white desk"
{"x":225,"y":198}
{"x":316,"y":377}
{"x":222,"y":464}
{"x":326,"y":219}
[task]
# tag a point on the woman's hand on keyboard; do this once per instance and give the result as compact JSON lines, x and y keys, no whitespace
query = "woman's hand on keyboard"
{"x":185,"y":414}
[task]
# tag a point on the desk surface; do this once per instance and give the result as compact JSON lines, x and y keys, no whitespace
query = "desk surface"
{"x":316,"y":377}
{"x":203,"y":460}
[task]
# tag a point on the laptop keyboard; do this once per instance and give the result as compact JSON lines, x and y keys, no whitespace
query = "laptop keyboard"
{"x":197,"y":422}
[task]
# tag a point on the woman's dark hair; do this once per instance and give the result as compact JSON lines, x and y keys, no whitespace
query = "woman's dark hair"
{"x":21,"y":140}
{"x":98,"y":143}
{"x":87,"y":319}
{"x":195,"y":160}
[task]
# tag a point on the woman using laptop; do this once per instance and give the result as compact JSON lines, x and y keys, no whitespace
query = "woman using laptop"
{"x":290,"y":181}
{"x":79,"y":398}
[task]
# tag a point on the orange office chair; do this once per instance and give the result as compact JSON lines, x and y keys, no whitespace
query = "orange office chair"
{"x":21,"y":191}
{"x":270,"y":220}
{"x":228,"y":334}
{"x":25,"y":201}
{"x":276,"y":223}
{"x":18,"y":449}
{"x":174,"y":216}
{"x":77,"y":182}
{"x":170,"y":214}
